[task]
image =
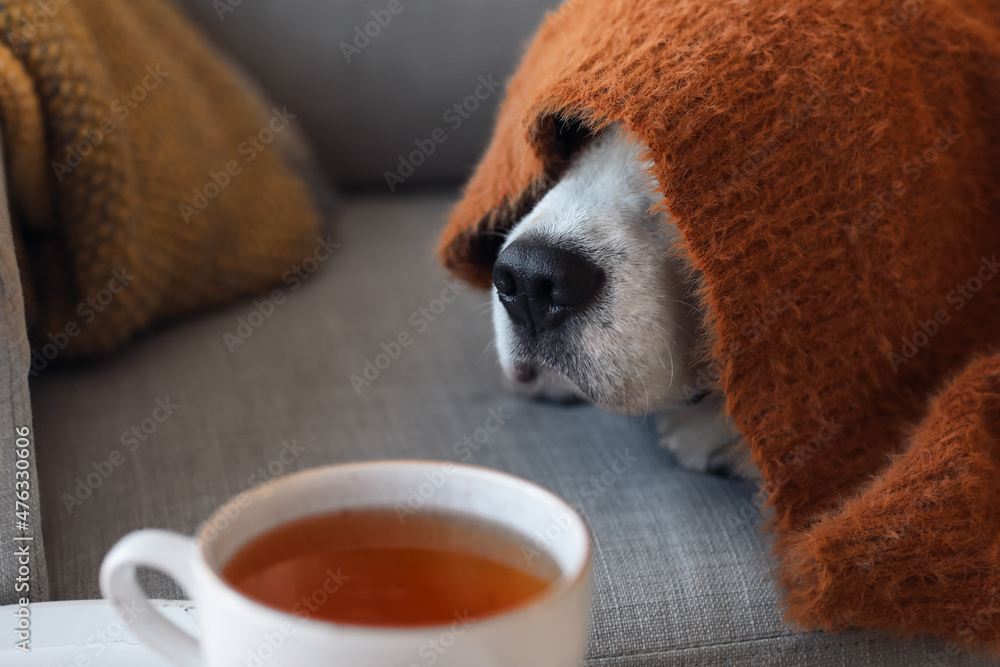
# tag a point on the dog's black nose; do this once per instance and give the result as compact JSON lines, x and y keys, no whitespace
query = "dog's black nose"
{"x":541,"y":285}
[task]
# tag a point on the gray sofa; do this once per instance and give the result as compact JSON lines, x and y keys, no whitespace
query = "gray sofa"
{"x":681,"y":568}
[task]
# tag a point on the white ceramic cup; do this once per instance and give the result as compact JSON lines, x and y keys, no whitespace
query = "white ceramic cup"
{"x":548,"y":631}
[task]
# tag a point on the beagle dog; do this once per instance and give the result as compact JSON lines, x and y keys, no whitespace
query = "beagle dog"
{"x":592,"y":302}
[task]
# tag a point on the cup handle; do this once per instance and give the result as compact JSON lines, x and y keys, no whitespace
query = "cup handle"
{"x":170,"y":553}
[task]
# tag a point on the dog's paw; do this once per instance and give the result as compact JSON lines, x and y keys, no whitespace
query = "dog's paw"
{"x":701,"y":437}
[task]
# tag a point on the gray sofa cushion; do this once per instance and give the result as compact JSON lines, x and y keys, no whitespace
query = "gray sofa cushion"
{"x":396,"y":90}
{"x":17,"y":436}
{"x":205,"y":409}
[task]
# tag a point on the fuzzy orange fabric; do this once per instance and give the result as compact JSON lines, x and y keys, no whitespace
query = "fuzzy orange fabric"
{"x":833,"y":169}
{"x":148,"y":176}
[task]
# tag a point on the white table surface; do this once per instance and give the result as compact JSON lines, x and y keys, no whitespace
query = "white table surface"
{"x":68,"y":634}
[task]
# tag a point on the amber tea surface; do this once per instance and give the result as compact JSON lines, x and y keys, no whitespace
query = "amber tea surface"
{"x":372,"y":567}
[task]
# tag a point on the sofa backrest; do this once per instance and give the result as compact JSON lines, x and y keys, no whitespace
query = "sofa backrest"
{"x":372,"y":81}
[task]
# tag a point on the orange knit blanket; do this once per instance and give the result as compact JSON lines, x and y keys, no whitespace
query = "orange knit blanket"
{"x":834,"y":169}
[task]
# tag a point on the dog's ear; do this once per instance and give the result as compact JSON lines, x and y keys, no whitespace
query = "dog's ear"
{"x":557,"y":139}
{"x":570,"y":135}
{"x":471,"y":253}
{"x":470,"y":250}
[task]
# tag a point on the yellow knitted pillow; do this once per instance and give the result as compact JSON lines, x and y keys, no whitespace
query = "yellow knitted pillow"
{"x":148,"y":177}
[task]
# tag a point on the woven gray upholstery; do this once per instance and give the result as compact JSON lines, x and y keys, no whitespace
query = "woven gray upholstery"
{"x":681,"y":576}
{"x":15,"y":416}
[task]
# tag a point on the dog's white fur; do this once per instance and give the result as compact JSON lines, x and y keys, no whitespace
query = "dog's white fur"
{"x":631,"y":350}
